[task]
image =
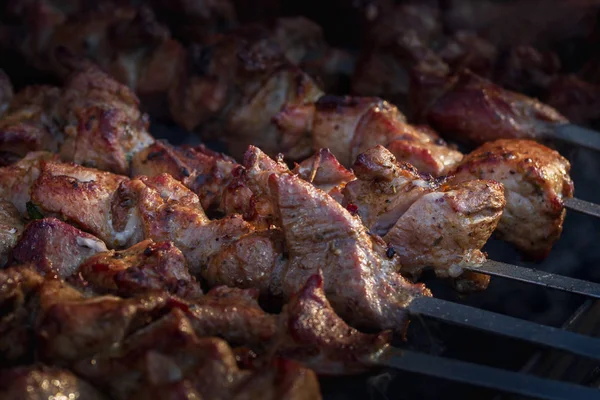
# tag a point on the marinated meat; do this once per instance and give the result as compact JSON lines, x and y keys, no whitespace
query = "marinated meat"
{"x":474,"y":110}
{"x":123,"y":212}
{"x":536,"y":180}
{"x":427,"y":222}
{"x":143,"y":267}
{"x":348,"y":126}
{"x":54,"y":247}
{"x":11,"y":227}
{"x":38,"y":382}
{"x":203,"y":171}
{"x":325,"y":172}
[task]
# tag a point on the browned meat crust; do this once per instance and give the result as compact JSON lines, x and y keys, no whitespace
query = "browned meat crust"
{"x":536,"y":180}
{"x":427,"y":222}
{"x":54,"y":247}
{"x":42,"y":382}
{"x":474,"y":110}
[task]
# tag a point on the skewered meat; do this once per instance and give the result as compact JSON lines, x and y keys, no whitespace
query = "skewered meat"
{"x":168,"y":351}
{"x":122,"y":212}
{"x":93,"y":121}
{"x":350,"y":125}
{"x":54,"y":247}
{"x":320,"y":234}
{"x":474,"y":110}
{"x":240,"y":80}
{"x":145,"y":266}
{"x":428,"y":223}
{"x":11,"y":227}
{"x":201,"y":170}
{"x":37,"y":382}
{"x":536,"y":180}
{"x":17,"y":179}
{"x":325,"y":172}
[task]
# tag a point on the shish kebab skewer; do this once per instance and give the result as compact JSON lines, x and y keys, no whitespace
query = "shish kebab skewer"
{"x":85,"y":94}
{"x":304,"y":212}
{"x":366,"y":349}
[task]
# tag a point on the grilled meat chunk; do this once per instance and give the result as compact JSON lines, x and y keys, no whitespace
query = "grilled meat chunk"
{"x":123,"y":212}
{"x":54,"y":247}
{"x":143,"y":267}
{"x":36,"y":382}
{"x":18,"y":298}
{"x":320,"y":234}
{"x":104,"y":127}
{"x":11,"y":227}
{"x":473,"y":110}
{"x":536,"y":180}
{"x":350,"y":125}
{"x":325,"y":172}
{"x":427,"y":222}
{"x":17,"y":179}
{"x":32,"y":122}
{"x":168,"y":352}
{"x":319,"y":338}
{"x":219,"y":81}
{"x":203,"y":171}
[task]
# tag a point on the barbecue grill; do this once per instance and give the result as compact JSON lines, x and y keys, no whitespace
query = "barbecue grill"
{"x":469,"y":352}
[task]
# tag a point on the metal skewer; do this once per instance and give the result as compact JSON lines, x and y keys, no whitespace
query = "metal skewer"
{"x":499,"y":324}
{"x":540,"y":278}
{"x":575,"y":134}
{"x":582,"y":206}
{"x":484,"y":376}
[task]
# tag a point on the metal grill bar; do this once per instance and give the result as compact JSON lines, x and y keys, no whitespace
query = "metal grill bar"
{"x":582,"y":206}
{"x":484,"y":376}
{"x":576,"y":135}
{"x":540,"y":278}
{"x":499,"y":324}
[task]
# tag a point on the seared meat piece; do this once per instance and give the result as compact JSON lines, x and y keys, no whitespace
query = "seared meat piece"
{"x":11,"y":227}
{"x":18,"y":300}
{"x":474,"y":110}
{"x":427,"y":222}
{"x":248,"y":262}
{"x":577,"y":99}
{"x":93,"y":120}
{"x":168,"y":352}
{"x":32,"y":122}
{"x":536,"y":180}
{"x":54,"y":247}
{"x":203,"y":171}
{"x":240,"y":81}
{"x":360,"y":280}
{"x":37,"y":382}
{"x":384,"y":189}
{"x":465,"y":49}
{"x":234,"y":314}
{"x":348,"y":126}
{"x":325,"y":172}
{"x":82,"y":196}
{"x":104,"y":127}
{"x":446,"y":229}
{"x":123,"y":212}
{"x":73,"y":329}
{"x":6,"y":92}
{"x":321,"y":339}
{"x":17,"y":179}
{"x":143,"y":267}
